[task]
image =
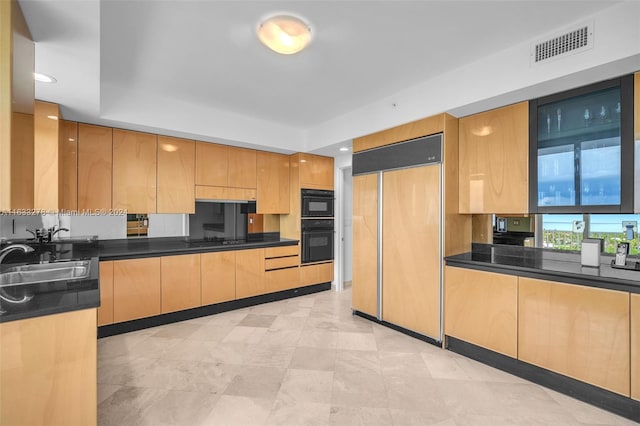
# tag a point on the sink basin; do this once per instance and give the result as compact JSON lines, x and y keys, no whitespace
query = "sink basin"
{"x":45,"y":272}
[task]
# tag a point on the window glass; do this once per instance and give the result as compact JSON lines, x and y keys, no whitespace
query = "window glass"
{"x":614,"y":228}
{"x":600,"y":177}
{"x":562,"y":231}
{"x":556,"y":176}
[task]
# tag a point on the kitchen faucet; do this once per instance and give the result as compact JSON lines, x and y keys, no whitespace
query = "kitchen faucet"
{"x":44,"y":235}
{"x":5,"y":251}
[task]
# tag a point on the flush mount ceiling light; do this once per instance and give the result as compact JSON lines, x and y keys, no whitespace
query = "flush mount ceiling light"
{"x":43,"y":78}
{"x":344,"y":148}
{"x":285,"y":34}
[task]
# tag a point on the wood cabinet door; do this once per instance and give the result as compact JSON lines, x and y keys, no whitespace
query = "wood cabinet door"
{"x":242,"y":168}
{"x":635,"y":346}
{"x":316,"y":274}
{"x":134,"y":171}
{"x":273,"y":183}
{"x":48,"y":370}
{"x":69,"y":165}
{"x":95,"y":148}
{"x":316,"y":171}
{"x":136,"y":288}
{"x":250,"y":273}
{"x":218,"y":277}
{"x":482,"y":308}
{"x":180,"y":282}
{"x":176,"y":175}
{"x":364,"y":286}
{"x":212,"y":164}
{"x":105,"y":311}
{"x":581,"y":332}
{"x":411,"y":252}
{"x":22,"y":135}
{"x":494,"y":161}
{"x":282,"y":279}
{"x":46,"y":159}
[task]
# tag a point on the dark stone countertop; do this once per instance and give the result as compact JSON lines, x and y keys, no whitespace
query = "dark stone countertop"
{"x":546,"y":264}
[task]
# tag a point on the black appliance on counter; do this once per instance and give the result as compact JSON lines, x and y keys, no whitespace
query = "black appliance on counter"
{"x":317,"y":240}
{"x":317,"y":203}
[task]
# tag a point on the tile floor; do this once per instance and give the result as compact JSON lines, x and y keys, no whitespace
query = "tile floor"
{"x":308,"y":361}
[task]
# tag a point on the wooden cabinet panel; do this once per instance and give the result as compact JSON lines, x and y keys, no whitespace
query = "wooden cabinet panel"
{"x":281,"y":262}
{"x":250,"y":273}
{"x":635,"y":344}
{"x":242,"y":168}
{"x":494,"y":161}
{"x":282,"y":279}
{"x":415,"y":129}
{"x":136,"y":288}
{"x":411,"y":249}
{"x":180,"y":282}
{"x":581,"y":332}
{"x":365,"y":244}
{"x":176,"y":175}
{"x":69,"y":165}
{"x":316,"y":171}
{"x":482,"y":308}
{"x":105,"y":311}
{"x":134,"y":171}
{"x":218,"y":277}
{"x":22,"y":130}
{"x":212,"y":164}
{"x":94,"y":167}
{"x":47,"y":155}
{"x":281,"y":251}
{"x":224,"y":193}
{"x":273,"y":183}
{"x":48,"y":370}
{"x":316,"y":274}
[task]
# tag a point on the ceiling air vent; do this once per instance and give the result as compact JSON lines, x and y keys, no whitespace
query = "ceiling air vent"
{"x":562,"y":45}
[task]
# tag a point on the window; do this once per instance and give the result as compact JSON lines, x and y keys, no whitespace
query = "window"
{"x":581,"y":150}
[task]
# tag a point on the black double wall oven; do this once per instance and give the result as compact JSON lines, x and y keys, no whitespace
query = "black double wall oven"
{"x":317,"y":225}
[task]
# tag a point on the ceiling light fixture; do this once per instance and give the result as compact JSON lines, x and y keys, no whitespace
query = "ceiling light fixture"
{"x":344,"y":148}
{"x":43,"y":78}
{"x":285,"y":34}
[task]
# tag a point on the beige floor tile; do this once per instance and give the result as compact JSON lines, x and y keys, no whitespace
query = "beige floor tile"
{"x":360,"y":416}
{"x":281,"y":337}
{"x":288,"y":323}
{"x":313,"y":359}
{"x":358,"y":362}
{"x":421,"y":417}
{"x":318,"y":339}
{"x":257,"y":320}
{"x":359,"y":390}
{"x":191,"y":350}
{"x":445,"y":365}
{"x":238,"y":411}
{"x":211,"y":332}
{"x":256,"y":382}
{"x":155,"y":346}
{"x":356,"y":341}
{"x":242,"y":334}
{"x":415,"y":394}
{"x":122,"y":370}
{"x":403,"y":364}
{"x":179,"y":330}
{"x":105,"y":391}
{"x":587,"y":414}
{"x":177,"y":408}
{"x":295,"y":311}
{"x":119,"y":345}
{"x":268,"y":355}
{"x":296,"y":413}
{"x":127,"y":405}
{"x":306,"y":386}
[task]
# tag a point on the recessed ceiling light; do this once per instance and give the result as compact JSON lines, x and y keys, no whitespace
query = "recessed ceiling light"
{"x":285,"y":34}
{"x":43,"y":78}
{"x":52,"y":117}
{"x":344,"y":148}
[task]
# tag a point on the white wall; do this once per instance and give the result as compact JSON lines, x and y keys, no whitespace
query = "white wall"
{"x":347,"y":224}
{"x":106,"y":227}
{"x":340,"y":162}
{"x":15,"y":226}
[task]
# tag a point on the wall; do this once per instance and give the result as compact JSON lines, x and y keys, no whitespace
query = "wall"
{"x":341,"y":162}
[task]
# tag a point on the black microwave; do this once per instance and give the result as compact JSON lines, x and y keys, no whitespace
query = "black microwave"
{"x":317,"y":203}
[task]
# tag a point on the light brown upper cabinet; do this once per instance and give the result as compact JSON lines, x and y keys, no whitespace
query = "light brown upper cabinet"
{"x":47,"y":156}
{"x":273,"y":183}
{"x":69,"y":165}
{"x":176,"y":175}
{"x":17,"y":58}
{"x":493,"y":161}
{"x":242,"y":168}
{"x":134,"y":171}
{"x":316,"y":171}
{"x":212,"y":164}
{"x":95,"y":149}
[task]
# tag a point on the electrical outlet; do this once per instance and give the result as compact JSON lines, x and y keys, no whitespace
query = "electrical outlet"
{"x":516,"y":222}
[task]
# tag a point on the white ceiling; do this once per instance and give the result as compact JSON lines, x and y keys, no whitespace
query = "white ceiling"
{"x":196,"y":69}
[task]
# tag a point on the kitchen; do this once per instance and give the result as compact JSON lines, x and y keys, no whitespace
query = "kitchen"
{"x":287,"y":228}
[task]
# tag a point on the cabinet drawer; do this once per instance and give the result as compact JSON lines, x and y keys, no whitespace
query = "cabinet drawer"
{"x":280,"y":251}
{"x":224,"y":193}
{"x":281,"y":262}
{"x":282,"y":279}
{"x":316,"y":274}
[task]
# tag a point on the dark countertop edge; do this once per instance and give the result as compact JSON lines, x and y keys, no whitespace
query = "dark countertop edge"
{"x":563,"y":277}
{"x":49,"y":311}
{"x":150,"y":252}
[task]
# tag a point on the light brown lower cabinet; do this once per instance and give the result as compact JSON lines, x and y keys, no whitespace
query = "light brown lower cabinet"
{"x":365,"y":244}
{"x":282,"y":279}
{"x":48,"y":370}
{"x":136,"y":288}
{"x":105,"y":311}
{"x":180,"y":282}
{"x":482,"y":308}
{"x":316,"y":274}
{"x":218,"y":274}
{"x":580,"y":332}
{"x":250,"y":280}
{"x":635,"y":346}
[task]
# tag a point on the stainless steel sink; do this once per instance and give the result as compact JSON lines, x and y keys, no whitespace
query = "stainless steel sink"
{"x":45,"y":272}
